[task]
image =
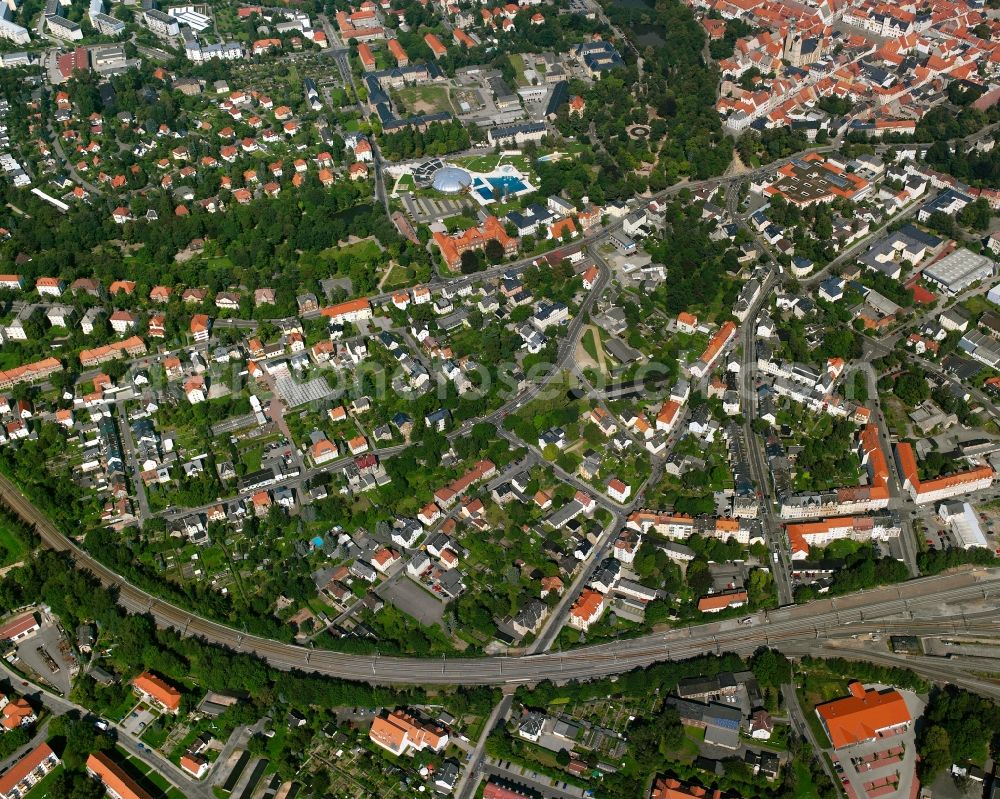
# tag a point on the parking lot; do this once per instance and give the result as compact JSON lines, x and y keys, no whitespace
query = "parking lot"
{"x":413,"y":600}
{"x":427,"y":210}
{"x":546,"y":787}
{"x":137,"y":721}
{"x":40,"y":655}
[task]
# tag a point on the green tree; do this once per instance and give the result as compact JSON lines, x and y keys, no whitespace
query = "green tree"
{"x":935,"y":753}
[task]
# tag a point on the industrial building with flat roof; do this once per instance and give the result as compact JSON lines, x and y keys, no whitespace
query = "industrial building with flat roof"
{"x":956,"y":272}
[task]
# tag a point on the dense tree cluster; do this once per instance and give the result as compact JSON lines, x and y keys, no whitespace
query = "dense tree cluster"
{"x":958,"y":727}
{"x":934,"y":561}
{"x":865,"y":672}
{"x":685,"y":136}
{"x":833,"y":449}
{"x":696,"y":268}
{"x":439,"y":138}
{"x":972,"y":166}
{"x":264,"y":240}
{"x":735,"y":29}
{"x":133,"y":643}
{"x":862,"y":568}
{"x":770,"y":145}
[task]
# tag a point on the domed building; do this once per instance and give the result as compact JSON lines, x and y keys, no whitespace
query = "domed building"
{"x":451,"y":180}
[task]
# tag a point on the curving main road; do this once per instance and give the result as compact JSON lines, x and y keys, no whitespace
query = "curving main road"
{"x":917,"y":602}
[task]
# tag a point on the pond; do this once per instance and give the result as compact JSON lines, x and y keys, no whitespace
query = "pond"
{"x":648,"y":36}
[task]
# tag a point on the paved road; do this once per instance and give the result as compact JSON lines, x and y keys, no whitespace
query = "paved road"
{"x":896,"y":494}
{"x":469,"y":781}
{"x":758,"y":464}
{"x":138,"y":487}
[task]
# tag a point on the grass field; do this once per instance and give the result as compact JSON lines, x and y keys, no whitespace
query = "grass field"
{"x":804,"y":786}
{"x":517,"y":61}
{"x":11,"y":548}
{"x":487,"y":163}
{"x":405,"y":183}
{"x":424,"y":99}
{"x":152,"y":777}
{"x":976,"y":305}
{"x":590,"y":344}
{"x":43,"y":789}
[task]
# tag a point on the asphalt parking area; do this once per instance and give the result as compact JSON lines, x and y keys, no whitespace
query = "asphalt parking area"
{"x":40,"y":654}
{"x":140,"y":717}
{"x":413,"y":600}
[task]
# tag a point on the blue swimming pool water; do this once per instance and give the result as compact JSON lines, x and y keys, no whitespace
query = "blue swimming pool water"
{"x":317,"y":542}
{"x":505,"y":184}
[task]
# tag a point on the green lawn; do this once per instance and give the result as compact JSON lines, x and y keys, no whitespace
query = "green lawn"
{"x":43,"y":789}
{"x":517,"y":61}
{"x":155,"y":735}
{"x":12,"y":549}
{"x":976,"y":305}
{"x":590,"y":344}
{"x":362,"y":250}
{"x":151,"y":776}
{"x":804,"y":786}
{"x":405,"y":183}
{"x":812,"y":719}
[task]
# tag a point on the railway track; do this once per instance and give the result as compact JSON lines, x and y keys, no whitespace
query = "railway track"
{"x":863,"y":612}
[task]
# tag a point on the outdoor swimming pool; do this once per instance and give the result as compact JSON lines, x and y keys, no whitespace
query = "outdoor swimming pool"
{"x":492,"y":187}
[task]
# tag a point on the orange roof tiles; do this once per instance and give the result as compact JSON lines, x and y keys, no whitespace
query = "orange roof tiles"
{"x":366,"y":55}
{"x":398,"y":729}
{"x":669,"y":788}
{"x":863,"y":715}
{"x":907,"y":462}
{"x":29,"y":372}
{"x":588,"y":604}
{"x":114,"y":778}
{"x":718,"y":341}
{"x":23,"y":767}
{"x":668,"y":412}
{"x":397,"y":50}
{"x":434,"y":43}
{"x":111,"y":351}
{"x":14,"y":713}
{"x":346,"y":308}
{"x":452,"y":247}
{"x":164,"y":693}
{"x":715,"y":602}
